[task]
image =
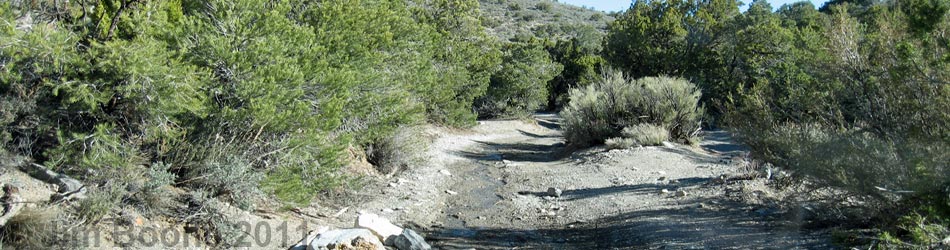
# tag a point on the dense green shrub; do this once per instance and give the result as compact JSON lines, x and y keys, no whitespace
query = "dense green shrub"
{"x":580,"y":57}
{"x":520,"y":87}
{"x":603,"y":109}
{"x":854,"y":131}
{"x":853,"y":96}
{"x":856,"y":161}
{"x":235,"y":96}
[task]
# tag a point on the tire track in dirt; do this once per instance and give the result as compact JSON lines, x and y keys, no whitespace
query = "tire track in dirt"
{"x":611,"y":199}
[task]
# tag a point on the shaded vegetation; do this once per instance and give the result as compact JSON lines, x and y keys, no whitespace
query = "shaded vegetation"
{"x":852,"y":96}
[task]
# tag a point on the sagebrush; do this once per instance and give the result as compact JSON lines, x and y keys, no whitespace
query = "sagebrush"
{"x":603,"y":109}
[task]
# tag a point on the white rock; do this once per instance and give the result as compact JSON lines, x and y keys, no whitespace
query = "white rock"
{"x":681,"y":193}
{"x":555,"y":192}
{"x":451,"y":192}
{"x":410,"y":240}
{"x":664,"y":191}
{"x":381,"y":227}
{"x":346,"y":239}
{"x":445,"y":172}
{"x":303,"y":244}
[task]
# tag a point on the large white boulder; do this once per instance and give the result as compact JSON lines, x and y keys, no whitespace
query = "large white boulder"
{"x":380,"y":226}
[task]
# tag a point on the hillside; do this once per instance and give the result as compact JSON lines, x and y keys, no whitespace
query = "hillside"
{"x":508,"y":18}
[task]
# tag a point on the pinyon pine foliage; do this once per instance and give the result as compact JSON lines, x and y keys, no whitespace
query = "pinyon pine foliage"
{"x":241,"y":100}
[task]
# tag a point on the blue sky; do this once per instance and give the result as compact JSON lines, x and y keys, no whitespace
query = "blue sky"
{"x":618,"y":5}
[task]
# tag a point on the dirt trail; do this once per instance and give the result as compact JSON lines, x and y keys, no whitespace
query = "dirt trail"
{"x":495,"y":197}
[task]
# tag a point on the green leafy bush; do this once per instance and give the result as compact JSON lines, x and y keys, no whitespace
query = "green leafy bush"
{"x":520,"y":87}
{"x":603,"y":109}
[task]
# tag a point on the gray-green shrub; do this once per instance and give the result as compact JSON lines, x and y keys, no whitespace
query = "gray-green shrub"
{"x":228,"y":171}
{"x":154,"y":196}
{"x":403,"y":149}
{"x":601,"y":110}
{"x":647,"y":134}
{"x":854,"y":160}
{"x":37,"y":228}
{"x":620,"y":143}
{"x":216,"y":227}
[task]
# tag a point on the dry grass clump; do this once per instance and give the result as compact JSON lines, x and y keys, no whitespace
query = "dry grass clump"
{"x":647,"y":134}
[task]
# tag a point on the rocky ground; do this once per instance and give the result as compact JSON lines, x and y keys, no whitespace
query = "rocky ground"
{"x":516,"y":185}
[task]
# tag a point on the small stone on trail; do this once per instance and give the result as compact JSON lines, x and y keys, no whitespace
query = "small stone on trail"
{"x":445,"y":172}
{"x":393,"y":184}
{"x":410,"y":240}
{"x":664,"y":191}
{"x":552,"y":213}
{"x":681,"y":193}
{"x":659,"y":172}
{"x":662,"y":178}
{"x":388,"y":210}
{"x":451,"y":192}
{"x":556,"y":192}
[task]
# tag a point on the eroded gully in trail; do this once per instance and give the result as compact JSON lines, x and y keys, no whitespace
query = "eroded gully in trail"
{"x":610,"y":200}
